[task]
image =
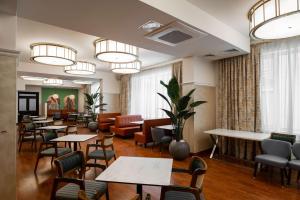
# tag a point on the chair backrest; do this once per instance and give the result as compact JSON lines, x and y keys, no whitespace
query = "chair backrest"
{"x":157,"y":134}
{"x":198,"y":169}
{"x":56,"y":116}
{"x":149,"y":123}
{"x":58,"y":122}
{"x":108,"y":140}
{"x":50,"y":135}
{"x":296,"y":150}
{"x":103,"y":117}
{"x":26,"y":118}
{"x":28,"y":126}
{"x":70,"y":162}
{"x":177,"y":192}
{"x":72,"y":130}
{"x":284,"y":137}
{"x":276,"y":147}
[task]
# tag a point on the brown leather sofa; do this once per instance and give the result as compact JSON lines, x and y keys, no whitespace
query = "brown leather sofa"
{"x":123,"y":127}
{"x":145,"y":136}
{"x":104,"y":122}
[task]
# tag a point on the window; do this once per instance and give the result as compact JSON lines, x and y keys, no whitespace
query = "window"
{"x":280,"y":86}
{"x":144,"y":99}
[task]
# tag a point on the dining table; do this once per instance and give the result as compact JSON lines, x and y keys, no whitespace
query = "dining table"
{"x":74,"y":138}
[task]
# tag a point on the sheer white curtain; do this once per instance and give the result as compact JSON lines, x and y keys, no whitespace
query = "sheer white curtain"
{"x":280,"y":86}
{"x":144,"y":87}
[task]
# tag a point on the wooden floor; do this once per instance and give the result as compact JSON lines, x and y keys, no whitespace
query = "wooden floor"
{"x":224,"y":180}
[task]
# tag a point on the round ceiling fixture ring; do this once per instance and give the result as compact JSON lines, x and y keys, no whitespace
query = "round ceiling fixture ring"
{"x":115,"y":52}
{"x":274,"y":19}
{"x":126,"y":68}
{"x":53,"y":54}
{"x":52,"y":81}
{"x":81,"y":68}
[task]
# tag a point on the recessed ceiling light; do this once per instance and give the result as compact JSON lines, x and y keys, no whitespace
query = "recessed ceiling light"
{"x":82,"y":82}
{"x":33,"y":78}
{"x":81,"y":68}
{"x":51,"y":81}
{"x":53,"y":54}
{"x":150,"y":26}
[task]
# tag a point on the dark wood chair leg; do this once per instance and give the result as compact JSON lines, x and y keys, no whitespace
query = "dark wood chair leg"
{"x":289,"y":176}
{"x":255,"y":169}
{"x":20,"y":145}
{"x":107,"y":194}
{"x":106,"y":162}
{"x":37,"y":162}
{"x":282,"y":176}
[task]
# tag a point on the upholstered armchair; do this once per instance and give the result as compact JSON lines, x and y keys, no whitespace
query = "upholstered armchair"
{"x":69,"y":188}
{"x":28,"y":133}
{"x":103,"y":150}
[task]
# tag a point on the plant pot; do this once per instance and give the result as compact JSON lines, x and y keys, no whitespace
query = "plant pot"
{"x":93,"y":126}
{"x":179,"y":150}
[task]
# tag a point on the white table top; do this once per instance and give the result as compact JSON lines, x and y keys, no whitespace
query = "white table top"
{"x":52,"y":127}
{"x":166,"y":127}
{"x":74,"y":138}
{"x":137,"y":122}
{"x":33,"y":116}
{"x":246,"y":135}
{"x":42,"y":121}
{"x":138,"y":170}
{"x":39,"y":118}
{"x":112,"y":118}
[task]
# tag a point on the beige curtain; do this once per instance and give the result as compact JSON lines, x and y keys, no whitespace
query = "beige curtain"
{"x":87,"y":89}
{"x":238,"y":99}
{"x":177,"y":72}
{"x":125,"y":94}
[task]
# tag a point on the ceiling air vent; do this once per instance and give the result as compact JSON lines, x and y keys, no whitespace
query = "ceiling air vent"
{"x":174,"y":33}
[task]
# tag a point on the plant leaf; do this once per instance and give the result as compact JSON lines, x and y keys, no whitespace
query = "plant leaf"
{"x":171,"y":115}
{"x":197,"y":103}
{"x":183,"y":103}
{"x":163,"y":83}
{"x":173,"y":90}
{"x":182,"y":114}
{"x":165,"y":98}
{"x":190,"y":92}
{"x":188,"y":115}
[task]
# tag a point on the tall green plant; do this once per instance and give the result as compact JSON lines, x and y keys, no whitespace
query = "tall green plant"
{"x":94,"y":101}
{"x":180,"y":107}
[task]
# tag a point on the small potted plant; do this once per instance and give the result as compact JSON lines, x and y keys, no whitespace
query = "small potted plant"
{"x":94,"y":101}
{"x":181,"y":109}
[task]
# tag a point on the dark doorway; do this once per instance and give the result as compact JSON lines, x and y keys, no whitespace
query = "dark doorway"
{"x":28,"y":104}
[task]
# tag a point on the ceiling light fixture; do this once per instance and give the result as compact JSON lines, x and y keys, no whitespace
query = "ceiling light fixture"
{"x":274,"y":19}
{"x":82,"y":82}
{"x":81,"y":68}
{"x":53,"y":54}
{"x":115,"y":52}
{"x":126,"y":68}
{"x":53,"y":82}
{"x":150,"y":26}
{"x":33,"y":78}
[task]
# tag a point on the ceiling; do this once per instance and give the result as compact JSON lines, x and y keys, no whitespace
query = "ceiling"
{"x":31,"y":31}
{"x":231,"y":12}
{"x":113,"y":19}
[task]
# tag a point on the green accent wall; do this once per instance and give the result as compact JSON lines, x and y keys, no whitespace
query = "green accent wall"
{"x":62,"y":92}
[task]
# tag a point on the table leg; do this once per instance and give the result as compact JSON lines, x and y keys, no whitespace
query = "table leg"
{"x":141,"y":127}
{"x":215,"y":141}
{"x":139,"y":190}
{"x":75,"y":146}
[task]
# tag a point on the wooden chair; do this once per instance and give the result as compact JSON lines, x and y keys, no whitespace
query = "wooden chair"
{"x":50,"y":149}
{"x":197,"y":169}
{"x":72,"y":129}
{"x":28,"y":133}
{"x":76,"y":188}
{"x":104,"y":149}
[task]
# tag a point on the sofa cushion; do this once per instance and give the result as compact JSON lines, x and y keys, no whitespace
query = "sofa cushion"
{"x":124,"y":120}
{"x":272,"y":160}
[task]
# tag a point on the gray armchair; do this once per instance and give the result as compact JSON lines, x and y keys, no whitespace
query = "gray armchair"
{"x":68,"y":188}
{"x":160,"y":138}
{"x":276,"y":153}
{"x":295,"y":164}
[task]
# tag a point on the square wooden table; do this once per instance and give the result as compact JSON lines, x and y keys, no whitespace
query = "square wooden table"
{"x":74,"y":138}
{"x":139,"y":171}
{"x":52,"y":128}
{"x":140,"y":123}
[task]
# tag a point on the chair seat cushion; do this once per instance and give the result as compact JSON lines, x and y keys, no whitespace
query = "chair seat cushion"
{"x":93,"y":190}
{"x":166,"y":139}
{"x":31,"y":137}
{"x":60,"y":151}
{"x":99,"y":154}
{"x":295,"y":164}
{"x":178,"y":195}
{"x":271,"y":160}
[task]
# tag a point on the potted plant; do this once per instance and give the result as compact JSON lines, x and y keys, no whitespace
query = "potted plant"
{"x":181,"y":109}
{"x":94,"y":101}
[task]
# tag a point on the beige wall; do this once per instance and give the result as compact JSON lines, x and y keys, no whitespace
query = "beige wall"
{"x":113,"y":102}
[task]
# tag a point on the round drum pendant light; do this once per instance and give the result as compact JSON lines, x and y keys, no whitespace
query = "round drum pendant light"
{"x":81,"y":68}
{"x":53,"y":54}
{"x":115,"y":52}
{"x":53,"y":82}
{"x":126,"y":68}
{"x":274,"y":19}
